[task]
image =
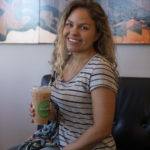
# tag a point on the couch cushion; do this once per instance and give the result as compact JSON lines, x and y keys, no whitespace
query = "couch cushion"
{"x":131,"y":128}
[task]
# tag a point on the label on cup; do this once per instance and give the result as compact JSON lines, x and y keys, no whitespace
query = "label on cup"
{"x":43,"y":109}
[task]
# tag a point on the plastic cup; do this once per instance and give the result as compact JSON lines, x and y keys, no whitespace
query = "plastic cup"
{"x":41,"y":101}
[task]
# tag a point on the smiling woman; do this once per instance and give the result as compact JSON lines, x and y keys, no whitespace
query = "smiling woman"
{"x":85,"y":85}
{"x":86,"y":77}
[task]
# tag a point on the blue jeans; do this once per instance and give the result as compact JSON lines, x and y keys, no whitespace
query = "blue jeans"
{"x":50,"y":148}
{"x":46,"y":148}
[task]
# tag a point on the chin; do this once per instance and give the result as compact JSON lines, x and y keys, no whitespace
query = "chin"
{"x":72,"y":50}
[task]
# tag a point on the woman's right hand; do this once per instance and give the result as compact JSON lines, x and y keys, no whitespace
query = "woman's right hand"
{"x":52,"y":112}
{"x":31,"y":111}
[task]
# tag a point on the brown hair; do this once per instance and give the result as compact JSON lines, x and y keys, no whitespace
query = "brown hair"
{"x":104,"y":44}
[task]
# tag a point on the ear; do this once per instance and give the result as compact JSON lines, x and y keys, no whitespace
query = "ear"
{"x":96,"y":37}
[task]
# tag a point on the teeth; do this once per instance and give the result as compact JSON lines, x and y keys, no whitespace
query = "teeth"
{"x":72,"y":40}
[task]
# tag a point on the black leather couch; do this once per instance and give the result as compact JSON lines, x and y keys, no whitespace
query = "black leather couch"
{"x":131,"y":128}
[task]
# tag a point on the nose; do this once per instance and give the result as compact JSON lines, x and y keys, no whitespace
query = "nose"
{"x":74,"y":31}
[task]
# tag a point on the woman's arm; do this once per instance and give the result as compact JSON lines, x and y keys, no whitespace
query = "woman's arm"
{"x":103,"y":101}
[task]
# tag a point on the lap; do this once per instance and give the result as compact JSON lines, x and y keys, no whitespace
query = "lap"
{"x":46,"y":148}
{"x":50,"y":148}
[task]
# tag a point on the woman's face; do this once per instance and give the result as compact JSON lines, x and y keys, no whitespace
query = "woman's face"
{"x":79,"y":31}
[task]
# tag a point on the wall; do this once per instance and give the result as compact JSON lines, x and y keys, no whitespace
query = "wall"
{"x":22,"y":66}
{"x":133,"y":60}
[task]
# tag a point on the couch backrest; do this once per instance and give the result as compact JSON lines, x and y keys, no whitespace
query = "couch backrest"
{"x":131,"y":129}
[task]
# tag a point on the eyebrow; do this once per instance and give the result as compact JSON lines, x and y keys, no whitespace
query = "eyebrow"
{"x":80,"y":23}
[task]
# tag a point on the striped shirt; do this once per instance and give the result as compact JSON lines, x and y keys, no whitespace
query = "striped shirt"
{"x":74,"y":100}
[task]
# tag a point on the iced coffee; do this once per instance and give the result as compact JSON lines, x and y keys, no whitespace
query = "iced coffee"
{"x":41,"y":101}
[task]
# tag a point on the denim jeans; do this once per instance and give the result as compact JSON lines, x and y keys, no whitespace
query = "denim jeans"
{"x":50,"y":148}
{"x":46,"y":148}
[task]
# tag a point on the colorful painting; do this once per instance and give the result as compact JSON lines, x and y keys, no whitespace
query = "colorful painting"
{"x":27,"y":21}
{"x":50,"y":12}
{"x":19,"y":21}
{"x":35,"y":21}
{"x":129,"y":20}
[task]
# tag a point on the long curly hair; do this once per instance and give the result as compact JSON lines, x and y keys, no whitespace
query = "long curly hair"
{"x":104,"y":44}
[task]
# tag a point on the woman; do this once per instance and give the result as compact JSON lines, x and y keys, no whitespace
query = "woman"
{"x":85,"y":87}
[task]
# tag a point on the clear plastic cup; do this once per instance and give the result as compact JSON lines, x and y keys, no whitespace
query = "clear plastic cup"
{"x":41,"y":101}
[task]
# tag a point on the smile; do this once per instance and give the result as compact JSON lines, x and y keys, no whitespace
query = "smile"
{"x":73,"y":40}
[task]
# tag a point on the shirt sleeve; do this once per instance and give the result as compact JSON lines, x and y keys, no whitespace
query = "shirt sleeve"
{"x":103,"y":75}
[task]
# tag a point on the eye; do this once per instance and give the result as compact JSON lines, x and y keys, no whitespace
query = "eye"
{"x":68,"y":24}
{"x":83,"y":27}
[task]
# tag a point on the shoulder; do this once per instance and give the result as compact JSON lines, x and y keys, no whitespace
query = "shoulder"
{"x":99,"y":61}
{"x":103,"y":73}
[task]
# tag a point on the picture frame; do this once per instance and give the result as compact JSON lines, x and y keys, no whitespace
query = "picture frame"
{"x":35,"y":21}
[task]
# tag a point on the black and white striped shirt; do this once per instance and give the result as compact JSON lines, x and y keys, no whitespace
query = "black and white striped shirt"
{"x":74,"y":100}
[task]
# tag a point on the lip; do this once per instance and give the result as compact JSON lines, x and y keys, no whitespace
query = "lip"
{"x":73,"y":40}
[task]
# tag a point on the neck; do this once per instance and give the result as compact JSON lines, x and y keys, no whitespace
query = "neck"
{"x":80,"y":57}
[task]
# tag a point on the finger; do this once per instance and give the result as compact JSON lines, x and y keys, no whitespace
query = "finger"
{"x":32,"y":121}
{"x":31,"y":110}
{"x":51,"y":107}
{"x":30,"y":138}
{"x":32,"y":114}
{"x":30,"y":104}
